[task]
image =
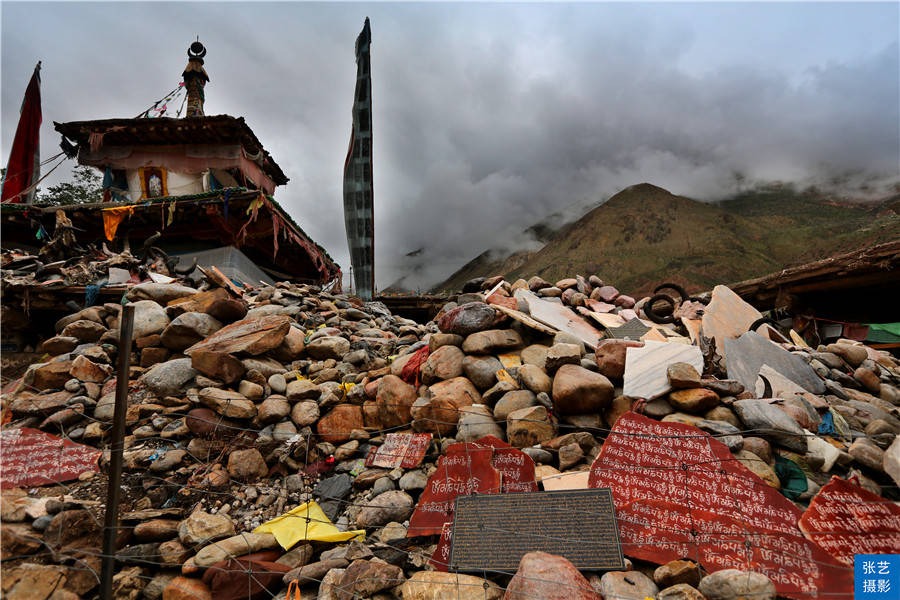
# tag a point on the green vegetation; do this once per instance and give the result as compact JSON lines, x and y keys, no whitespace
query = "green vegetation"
{"x":645,"y":235}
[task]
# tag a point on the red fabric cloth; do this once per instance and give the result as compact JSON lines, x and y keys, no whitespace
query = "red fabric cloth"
{"x":248,"y":577}
{"x":22,"y":168}
{"x":410,"y":372}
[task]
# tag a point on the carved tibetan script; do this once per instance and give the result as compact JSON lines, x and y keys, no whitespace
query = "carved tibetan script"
{"x":404,"y":450}
{"x":495,"y":531}
{"x":845,"y":519}
{"x":679,"y":493}
{"x":32,"y":457}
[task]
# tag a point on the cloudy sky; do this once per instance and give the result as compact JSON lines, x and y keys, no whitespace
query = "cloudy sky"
{"x":489,"y":117}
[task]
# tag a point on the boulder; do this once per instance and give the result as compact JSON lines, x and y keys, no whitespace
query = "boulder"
{"x":188,"y":329}
{"x":437,"y":585}
{"x":469,"y":318}
{"x":771,"y":422}
{"x":218,"y":365}
{"x":336,"y":426}
{"x":492,"y":341}
{"x":394,"y":400}
{"x":167,"y":379}
{"x":529,"y":426}
{"x":543,"y":576}
{"x":305,"y":413}
{"x":626,"y":585}
{"x":149,"y":318}
{"x":85,"y":331}
{"x":238,"y":545}
{"x":363,"y":578}
{"x":475,"y":422}
{"x":247,"y":465}
{"x":482,"y":370}
{"x":696,"y":400}
{"x":227,"y":403}
{"x":444,"y":363}
{"x":201,"y":528}
{"x":395,"y":505}
{"x":577,"y":391}
{"x":329,"y":346}
{"x":733,"y":584}
{"x":511,"y":401}
{"x":535,"y":379}
{"x":251,"y":336}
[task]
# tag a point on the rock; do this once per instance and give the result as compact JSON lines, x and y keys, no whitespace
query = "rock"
{"x":868,"y":379}
{"x":477,"y":421}
{"x":366,"y":577}
{"x":468,"y":318}
{"x":218,"y":365}
{"x":569,"y":456}
{"x":482,"y":370}
{"x":292,"y":346}
{"x":302,"y":389}
{"x":625,"y":585}
{"x":867,"y":454}
{"x":395,"y":505}
{"x":771,"y":422}
{"x":853,"y":354}
{"x":252,"y":391}
{"x":681,"y":591}
{"x":529,"y":426}
{"x":563,"y":354}
{"x":413,"y":480}
{"x":251,"y":335}
{"x":578,"y":391}
{"x":305,"y":413}
{"x":677,"y":571}
{"x":247,"y":465}
{"x":891,"y":461}
{"x":201,"y":528}
{"x":515,"y":400}
{"x":536,"y":355}
{"x":326,"y":347}
{"x":610,"y":357}
{"x":394,"y":399}
{"x":733,"y":584}
{"x":759,"y":468}
{"x":84,"y":369}
{"x":185,"y":588}
{"x":444,"y":363}
{"x":436,"y":585}
{"x":168,"y":461}
{"x":167,"y":379}
{"x":149,"y":318}
{"x":297,"y":556}
{"x":238,"y":545}
{"x":278,"y":383}
{"x":543,"y":576}
{"x":188,"y":329}
{"x":696,"y":400}
{"x":273,"y":409}
{"x":683,"y":375}
{"x":535,"y":379}
{"x":759,"y":447}
{"x":52,"y":375}
{"x":163,"y":293}
{"x":227,"y":403}
{"x":336,"y":426}
{"x":440,"y":413}
{"x":491,"y":341}
{"x":59,"y":344}
{"x":156,"y":530}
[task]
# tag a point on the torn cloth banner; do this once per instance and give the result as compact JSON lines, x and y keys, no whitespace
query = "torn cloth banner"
{"x":112,"y":217}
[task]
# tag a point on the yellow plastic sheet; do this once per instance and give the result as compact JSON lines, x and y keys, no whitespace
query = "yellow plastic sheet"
{"x":306,"y":522}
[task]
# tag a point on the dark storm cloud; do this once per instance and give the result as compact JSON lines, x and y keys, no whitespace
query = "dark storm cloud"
{"x":487,"y":118}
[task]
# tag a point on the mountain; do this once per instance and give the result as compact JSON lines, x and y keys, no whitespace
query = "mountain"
{"x":645,"y":235}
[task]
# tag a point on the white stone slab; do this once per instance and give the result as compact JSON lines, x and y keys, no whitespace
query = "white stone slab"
{"x":645,"y":368}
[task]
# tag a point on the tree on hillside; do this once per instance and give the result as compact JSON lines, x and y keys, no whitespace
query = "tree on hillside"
{"x":86,"y":186}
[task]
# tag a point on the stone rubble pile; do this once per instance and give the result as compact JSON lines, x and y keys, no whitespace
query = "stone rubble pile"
{"x":241,"y":409}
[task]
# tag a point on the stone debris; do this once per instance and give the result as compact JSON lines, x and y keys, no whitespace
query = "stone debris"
{"x":244,"y":408}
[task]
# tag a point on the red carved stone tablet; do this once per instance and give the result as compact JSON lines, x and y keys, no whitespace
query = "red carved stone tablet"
{"x":458,"y":473}
{"x":516,"y":467}
{"x":31,"y":457}
{"x":404,"y":450}
{"x":857,"y":521}
{"x":679,"y":493}
{"x":441,"y":557}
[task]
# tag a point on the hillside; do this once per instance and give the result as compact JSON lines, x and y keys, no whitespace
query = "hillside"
{"x":645,"y":235}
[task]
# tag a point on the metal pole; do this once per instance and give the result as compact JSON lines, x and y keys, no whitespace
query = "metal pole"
{"x":111,"y":520}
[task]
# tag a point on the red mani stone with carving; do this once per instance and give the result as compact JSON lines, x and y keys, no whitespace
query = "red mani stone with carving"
{"x":679,"y":493}
{"x":857,"y":521}
{"x":32,"y":457}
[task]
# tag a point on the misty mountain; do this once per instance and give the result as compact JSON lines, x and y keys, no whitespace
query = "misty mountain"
{"x":645,"y":235}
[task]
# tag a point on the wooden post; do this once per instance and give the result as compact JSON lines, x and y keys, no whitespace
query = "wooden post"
{"x":111,"y":520}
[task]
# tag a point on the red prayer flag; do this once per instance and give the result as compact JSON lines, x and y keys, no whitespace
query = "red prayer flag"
{"x":23,"y":168}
